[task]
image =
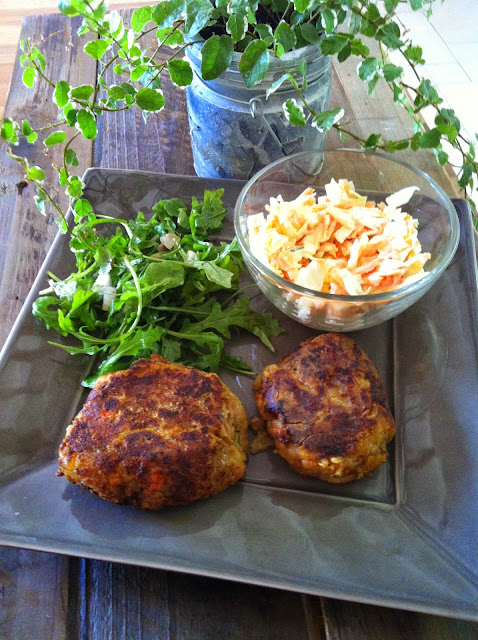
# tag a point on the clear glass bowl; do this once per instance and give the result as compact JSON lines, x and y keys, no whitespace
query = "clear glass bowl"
{"x":375,"y":176}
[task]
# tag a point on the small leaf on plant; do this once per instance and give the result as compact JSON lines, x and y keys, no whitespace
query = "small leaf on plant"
{"x":329,"y":20}
{"x":294,"y":113}
{"x":254,"y":63}
{"x":29,"y":75}
{"x":197,"y":15}
{"x":86,"y":124}
{"x":166,"y":13}
{"x":35,"y":173}
{"x":309,"y":33}
{"x":60,"y":95}
{"x":140,"y":18}
{"x":326,"y":119}
{"x":430,"y":139}
{"x":55,"y":138}
{"x":331,"y":45}
{"x":285,"y":36}
{"x":237,"y":26}
{"x":96,"y":48}
{"x":180,"y":72}
{"x":82,"y":207}
{"x":216,"y":56}
{"x":367,"y":69}
{"x":391,"y":72}
{"x":82,"y":92}
{"x":150,"y":99}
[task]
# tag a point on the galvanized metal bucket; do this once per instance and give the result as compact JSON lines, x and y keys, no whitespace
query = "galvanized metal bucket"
{"x":235,"y":131}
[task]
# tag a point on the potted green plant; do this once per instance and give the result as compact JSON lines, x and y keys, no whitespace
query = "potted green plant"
{"x":257,"y":35}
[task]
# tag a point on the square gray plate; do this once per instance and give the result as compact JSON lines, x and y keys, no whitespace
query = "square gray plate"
{"x":406,"y":537}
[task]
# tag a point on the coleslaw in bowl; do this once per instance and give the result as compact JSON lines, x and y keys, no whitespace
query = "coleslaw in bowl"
{"x":344,"y":239}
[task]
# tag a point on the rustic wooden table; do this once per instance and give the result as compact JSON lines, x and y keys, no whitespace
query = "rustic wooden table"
{"x":54,"y":597}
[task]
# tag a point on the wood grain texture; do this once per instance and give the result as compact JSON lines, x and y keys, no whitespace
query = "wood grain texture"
{"x":353,"y":621}
{"x":33,"y":595}
{"x":161,"y":144}
{"x":120,"y":602}
{"x":20,"y":219}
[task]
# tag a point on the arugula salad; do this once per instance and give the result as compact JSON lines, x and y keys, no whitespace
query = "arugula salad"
{"x":153,"y":286}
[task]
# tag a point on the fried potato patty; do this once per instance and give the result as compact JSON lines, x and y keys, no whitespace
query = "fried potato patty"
{"x":156,"y":434}
{"x":326,"y":409}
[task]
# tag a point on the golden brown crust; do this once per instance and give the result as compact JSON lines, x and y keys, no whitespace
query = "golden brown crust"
{"x":157,"y":434}
{"x":326,"y":409}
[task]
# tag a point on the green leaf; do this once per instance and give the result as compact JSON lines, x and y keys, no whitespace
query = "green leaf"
{"x":345,"y":53}
{"x":72,"y":8}
{"x":82,"y":92}
{"x":82,"y":208}
{"x":465,"y":180}
{"x":329,"y":20}
{"x":60,"y":95}
{"x":254,"y":63}
{"x":265,"y":33}
{"x":416,"y":4}
{"x":264,"y":326}
{"x":331,"y":45}
{"x":75,"y":187}
{"x":216,"y":56}
{"x":197,"y":16}
{"x":86,"y":124}
{"x":430,"y":139}
{"x":285,"y":36}
{"x":140,"y":18}
{"x":447,"y":116}
{"x":302,"y":5}
{"x":180,"y":72}
{"x":96,"y":48}
{"x":167,"y":12}
{"x":55,"y":138}
{"x":391,"y":72}
{"x":414,"y":54}
{"x":214,"y":273}
{"x":390,"y":5}
{"x":29,"y":75}
{"x":309,"y":33}
{"x":326,"y":119}
{"x":237,"y":26}
{"x":35,"y":173}
{"x":400,"y":145}
{"x":294,"y":113}
{"x":367,"y":69}
{"x":372,"y":142}
{"x":442,"y":158}
{"x":389,"y":34}
{"x":448,"y":130}
{"x":26,"y":128}
{"x":150,"y":99}
{"x":275,"y":85}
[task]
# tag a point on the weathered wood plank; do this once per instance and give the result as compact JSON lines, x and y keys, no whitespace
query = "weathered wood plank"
{"x":25,"y":235}
{"x":33,"y":595}
{"x":33,"y":586}
{"x":162,"y":144}
{"x":353,"y":621}
{"x":127,"y":603}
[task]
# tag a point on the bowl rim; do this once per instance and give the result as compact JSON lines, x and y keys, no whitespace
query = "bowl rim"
{"x":427,"y":280}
